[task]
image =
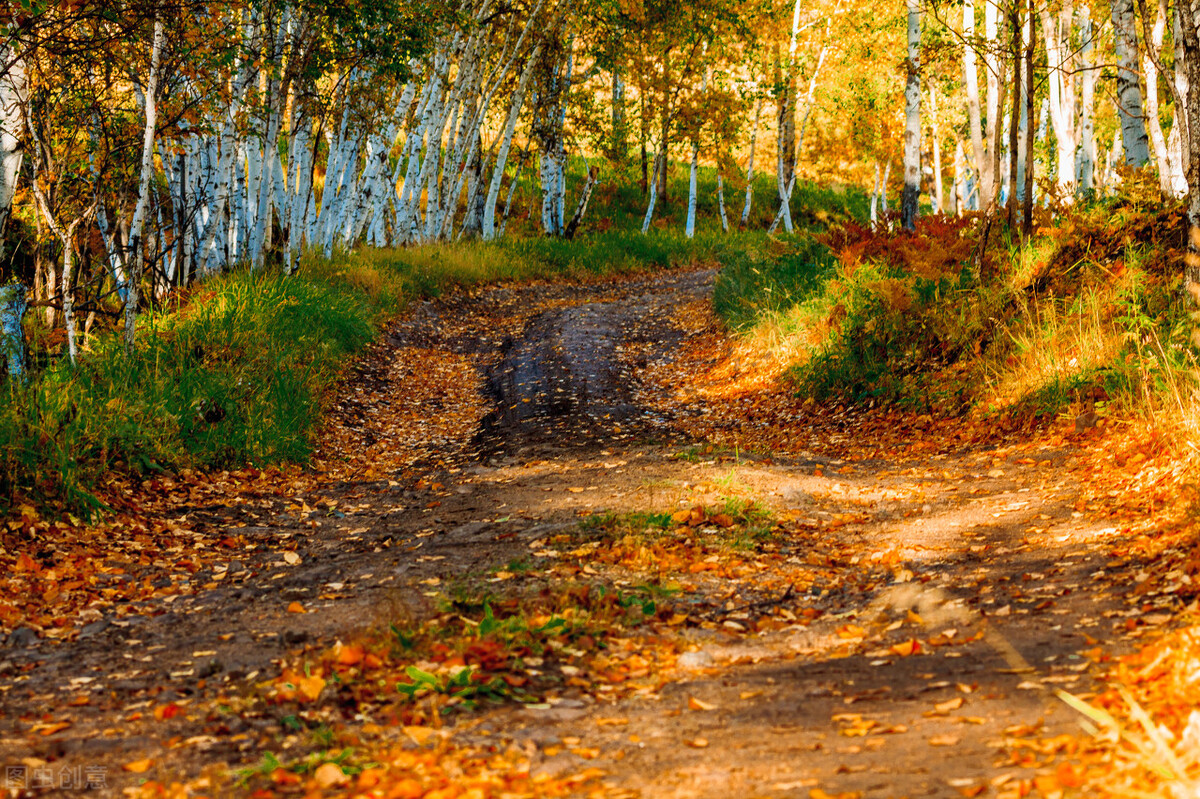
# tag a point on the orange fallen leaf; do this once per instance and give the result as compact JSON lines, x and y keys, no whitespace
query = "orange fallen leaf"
{"x":328,"y":775}
{"x":697,"y":743}
{"x":419,"y":734}
{"x":296,"y":607}
{"x":167,"y":711}
{"x":699,"y":704}
{"x":1070,"y":775}
{"x":906,"y":648}
{"x":50,"y":729}
{"x":944,"y":740}
{"x":851,"y":631}
{"x":310,"y":687}
{"x":349,"y":655}
{"x":139,"y":766}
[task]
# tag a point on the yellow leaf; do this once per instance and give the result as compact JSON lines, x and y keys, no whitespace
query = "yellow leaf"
{"x":851,"y":631}
{"x":944,"y":740}
{"x":906,"y":648}
{"x":311,"y":687}
{"x":139,"y":766}
{"x":697,"y":743}
{"x":419,"y":734}
{"x":699,"y":704}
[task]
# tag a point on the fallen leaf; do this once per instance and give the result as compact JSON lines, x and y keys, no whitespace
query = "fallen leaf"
{"x":906,"y":648}
{"x":944,"y":740}
{"x":296,"y":607}
{"x":699,"y":704}
{"x":697,"y":743}
{"x":139,"y":766}
{"x":328,"y":775}
{"x":419,"y":734}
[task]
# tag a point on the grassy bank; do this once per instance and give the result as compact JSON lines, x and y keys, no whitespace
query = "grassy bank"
{"x":1085,"y":317}
{"x":238,"y":371}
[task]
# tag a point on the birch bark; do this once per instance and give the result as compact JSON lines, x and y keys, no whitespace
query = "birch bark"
{"x":1129,"y":93}
{"x":758,"y":107}
{"x":13,"y":96}
{"x":974,"y":118}
{"x":912,"y":116}
{"x":135,"y":241}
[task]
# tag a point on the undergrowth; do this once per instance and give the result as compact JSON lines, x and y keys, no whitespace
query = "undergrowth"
{"x":1085,"y":317}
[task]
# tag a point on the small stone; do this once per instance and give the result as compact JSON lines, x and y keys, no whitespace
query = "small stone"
{"x":22,"y":637}
{"x":95,"y":628}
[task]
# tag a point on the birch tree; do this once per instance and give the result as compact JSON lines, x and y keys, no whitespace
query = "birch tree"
{"x":912,"y":116}
{"x":1129,"y":93}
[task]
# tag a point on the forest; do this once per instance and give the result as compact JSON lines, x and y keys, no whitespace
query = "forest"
{"x":472,"y":399}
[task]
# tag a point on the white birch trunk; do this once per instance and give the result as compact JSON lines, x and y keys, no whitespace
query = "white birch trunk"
{"x":13,"y":303}
{"x":758,"y":107}
{"x":991,"y":61}
{"x":1129,"y":93}
{"x":980,"y":165}
{"x":1056,"y":32}
{"x":938,"y":197}
{"x":658,"y":157}
{"x":1085,"y":153}
{"x":912,"y":117}
{"x":13,"y":96}
{"x":136,"y":244}
{"x":506,"y":137}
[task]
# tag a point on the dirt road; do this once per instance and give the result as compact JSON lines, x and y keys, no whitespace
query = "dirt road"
{"x":880,"y":624}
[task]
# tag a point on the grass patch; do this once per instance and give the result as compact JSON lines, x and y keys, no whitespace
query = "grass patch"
{"x":1076,"y":319}
{"x":238,"y":373}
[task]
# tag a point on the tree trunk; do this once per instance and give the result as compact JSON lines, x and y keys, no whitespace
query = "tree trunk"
{"x":1015,"y":178}
{"x":758,"y":107}
{"x":619,"y":128}
{"x":1158,"y":140}
{"x":136,"y":245}
{"x":13,"y":96}
{"x":1129,"y":94}
{"x":1027,"y":220}
{"x":13,"y":303}
{"x":912,"y":116}
{"x":1056,"y":30}
{"x":990,"y":180}
{"x":510,"y":126}
{"x":982,"y":169}
{"x":938,"y":195}
{"x":593,"y":177}
{"x":659,"y":160}
{"x":1085,"y":154}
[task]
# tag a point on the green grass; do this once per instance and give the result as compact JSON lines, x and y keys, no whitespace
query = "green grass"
{"x":240,"y":372}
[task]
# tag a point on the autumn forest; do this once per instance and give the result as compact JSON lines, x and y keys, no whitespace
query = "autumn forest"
{"x":600,"y":398}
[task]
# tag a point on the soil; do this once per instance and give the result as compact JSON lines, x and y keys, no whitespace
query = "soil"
{"x":485,"y":423}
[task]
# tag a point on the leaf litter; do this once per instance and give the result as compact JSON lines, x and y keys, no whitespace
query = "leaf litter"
{"x":864,"y":585}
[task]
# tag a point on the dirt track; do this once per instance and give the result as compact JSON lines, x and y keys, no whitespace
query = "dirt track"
{"x":553,"y":424}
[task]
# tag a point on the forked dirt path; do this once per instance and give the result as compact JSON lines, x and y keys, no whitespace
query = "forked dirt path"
{"x":895,"y":626}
